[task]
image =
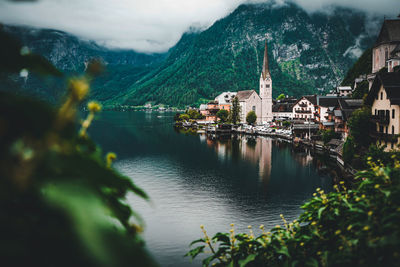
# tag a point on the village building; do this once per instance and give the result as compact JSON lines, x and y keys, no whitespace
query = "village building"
{"x":384,"y":99}
{"x":344,"y":90}
{"x":266,"y":90}
{"x":305,"y":108}
{"x":283,"y":109}
{"x":249,"y":100}
{"x":382,"y":52}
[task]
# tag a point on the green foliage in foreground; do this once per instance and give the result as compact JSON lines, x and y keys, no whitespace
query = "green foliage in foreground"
{"x":347,"y":227}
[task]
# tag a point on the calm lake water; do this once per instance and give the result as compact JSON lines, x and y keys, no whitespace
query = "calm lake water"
{"x":194,"y":180}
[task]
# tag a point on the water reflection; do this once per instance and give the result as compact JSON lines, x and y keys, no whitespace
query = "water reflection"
{"x":256,"y":151}
{"x":208,"y":180}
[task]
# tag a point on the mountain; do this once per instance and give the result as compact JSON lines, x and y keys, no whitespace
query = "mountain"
{"x":70,"y":54}
{"x":309,"y":53}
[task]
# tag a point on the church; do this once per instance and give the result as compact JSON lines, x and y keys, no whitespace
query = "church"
{"x":249,"y":100}
{"x":261,"y":103}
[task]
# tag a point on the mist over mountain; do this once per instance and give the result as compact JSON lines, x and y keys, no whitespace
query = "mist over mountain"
{"x":309,"y":53}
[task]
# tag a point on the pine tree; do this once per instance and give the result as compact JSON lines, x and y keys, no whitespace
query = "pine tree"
{"x":235,"y":112}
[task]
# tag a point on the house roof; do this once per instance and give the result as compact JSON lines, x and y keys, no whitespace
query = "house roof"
{"x":391,"y":82}
{"x":344,"y":88}
{"x":348,"y":106}
{"x":328,"y":101}
{"x":282,"y":107}
{"x":311,"y":98}
{"x":243,"y":95}
{"x":390,"y":32}
{"x":395,"y":50}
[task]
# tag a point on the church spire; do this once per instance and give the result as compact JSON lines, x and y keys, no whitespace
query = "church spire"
{"x":265,"y":70}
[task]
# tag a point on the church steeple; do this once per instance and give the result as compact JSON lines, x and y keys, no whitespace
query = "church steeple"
{"x":265,"y":71}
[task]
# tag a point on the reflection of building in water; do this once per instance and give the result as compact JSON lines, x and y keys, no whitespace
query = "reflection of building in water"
{"x":256,"y":150}
{"x":259,"y":152}
{"x":304,"y":158}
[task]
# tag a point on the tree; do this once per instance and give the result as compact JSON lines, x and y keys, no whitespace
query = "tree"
{"x":359,"y":124}
{"x":251,"y":117}
{"x":361,"y":90}
{"x":235,"y":112}
{"x":194,"y":114}
{"x":184,"y":117}
{"x":328,"y":135}
{"x":348,"y":150}
{"x":223,"y":114}
{"x":177,"y":116}
{"x":281,"y":96}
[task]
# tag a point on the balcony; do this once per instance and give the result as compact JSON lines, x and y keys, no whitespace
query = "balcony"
{"x":385,"y":136}
{"x":303,"y":105}
{"x":384,"y":120}
{"x":303,"y":111}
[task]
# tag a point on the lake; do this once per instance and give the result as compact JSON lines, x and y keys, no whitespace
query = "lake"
{"x":198,"y":179}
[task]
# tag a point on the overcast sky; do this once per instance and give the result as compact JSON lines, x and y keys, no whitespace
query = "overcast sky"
{"x":148,"y":25}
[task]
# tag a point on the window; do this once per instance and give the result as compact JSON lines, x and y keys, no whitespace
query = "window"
{"x":261,"y":86}
{"x":393,"y":113}
{"x":387,"y":114}
{"x":375,"y":111}
{"x":254,"y":108}
{"x":386,"y":130}
{"x":392,"y":129}
{"x":267,"y":86}
{"x":381,"y":95}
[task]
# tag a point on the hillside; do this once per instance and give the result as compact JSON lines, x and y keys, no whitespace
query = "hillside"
{"x":306,"y":55}
{"x":309,"y":53}
{"x":70,"y":54}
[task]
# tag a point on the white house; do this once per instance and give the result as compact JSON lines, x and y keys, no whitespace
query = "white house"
{"x":225,"y":98}
{"x":305,"y":108}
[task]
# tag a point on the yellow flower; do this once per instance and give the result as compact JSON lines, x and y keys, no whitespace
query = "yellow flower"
{"x":232,"y":224}
{"x":277,"y":226}
{"x":249,"y":226}
{"x":358,"y":199}
{"x":369,"y":158}
{"x":318,"y":189}
{"x":110,"y":157}
{"x":79,"y":88}
{"x":309,"y":218}
{"x":366,"y":228}
{"x":341,"y":182}
{"x":393,"y":156}
{"x":370,"y":213}
{"x":319,"y":252}
{"x":301,"y":244}
{"x":262,"y":226}
{"x":324,"y":201}
{"x":377,"y":186}
{"x":314,"y":223}
{"x":315,"y":194}
{"x":363,"y":195}
{"x":94,"y":106}
{"x":231,"y":230}
{"x":341,"y":247}
{"x":201,"y":226}
{"x":338,"y":232}
{"x":349,"y":227}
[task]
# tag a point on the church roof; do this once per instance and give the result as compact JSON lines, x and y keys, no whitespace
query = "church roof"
{"x":243,"y":95}
{"x":390,"y":32}
{"x":265,"y":71}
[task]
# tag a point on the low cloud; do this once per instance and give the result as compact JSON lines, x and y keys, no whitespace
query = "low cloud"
{"x":146,"y":25}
